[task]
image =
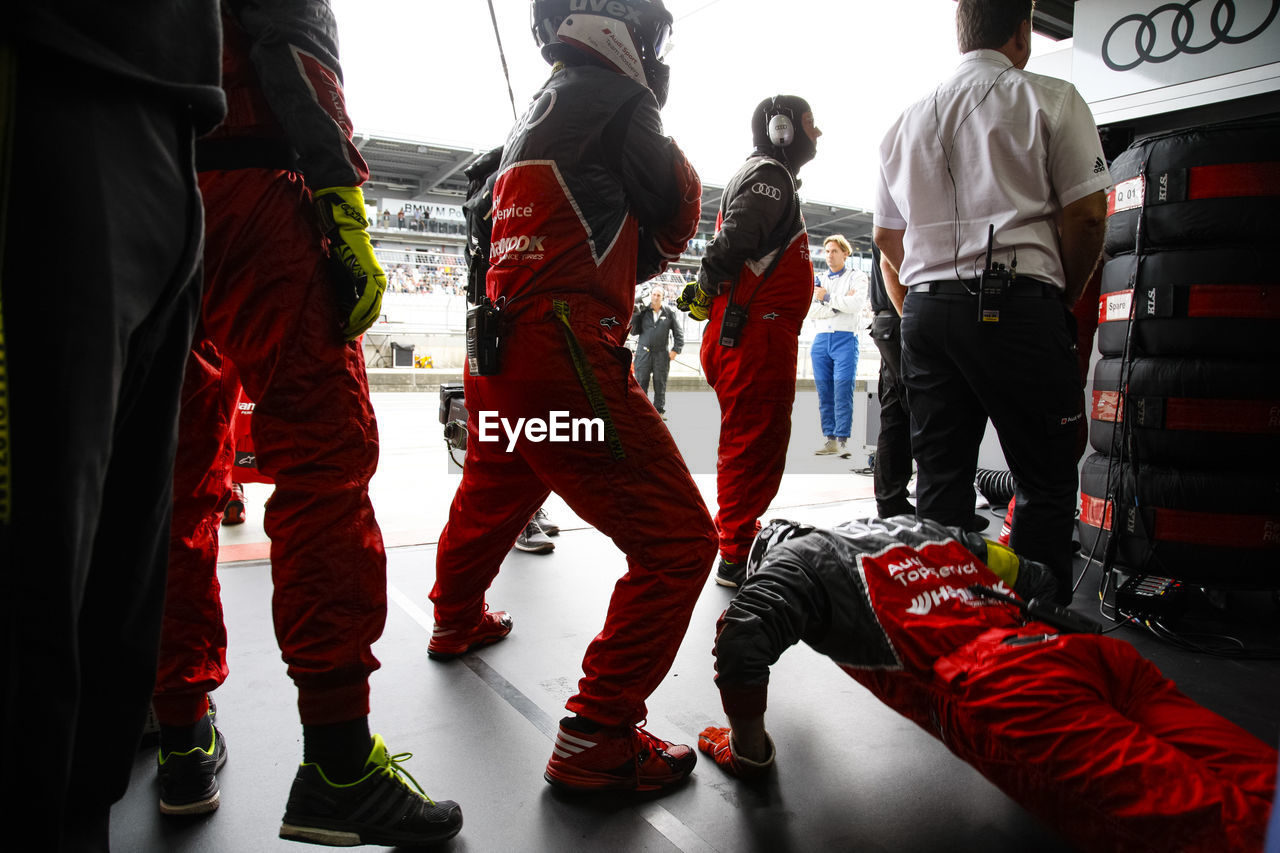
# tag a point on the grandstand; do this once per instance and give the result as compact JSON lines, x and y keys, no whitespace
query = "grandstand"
{"x":423,"y":252}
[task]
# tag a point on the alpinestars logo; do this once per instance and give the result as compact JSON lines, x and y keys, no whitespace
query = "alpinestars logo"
{"x":1099,"y":167}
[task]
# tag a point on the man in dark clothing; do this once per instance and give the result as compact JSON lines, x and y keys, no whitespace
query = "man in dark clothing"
{"x":996,"y":169}
{"x":99,"y":102}
{"x":590,"y":198}
{"x":755,"y":285}
{"x":1077,"y":727}
{"x":289,"y":269}
{"x":655,"y":326}
{"x":893,"y":444}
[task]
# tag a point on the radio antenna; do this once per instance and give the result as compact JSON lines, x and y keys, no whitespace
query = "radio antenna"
{"x":503,"y":56}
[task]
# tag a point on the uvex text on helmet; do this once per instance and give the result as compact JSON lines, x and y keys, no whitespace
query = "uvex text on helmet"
{"x":627,"y":36}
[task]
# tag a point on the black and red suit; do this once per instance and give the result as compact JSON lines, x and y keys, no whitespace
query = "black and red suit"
{"x":270,"y":308}
{"x":759,"y":258}
{"x":1078,"y":728}
{"x":590,"y":198}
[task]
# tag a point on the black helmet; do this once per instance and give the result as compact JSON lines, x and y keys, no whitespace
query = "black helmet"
{"x":628,"y":36}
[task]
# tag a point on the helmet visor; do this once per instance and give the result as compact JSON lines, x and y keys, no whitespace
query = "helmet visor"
{"x":662,"y":39}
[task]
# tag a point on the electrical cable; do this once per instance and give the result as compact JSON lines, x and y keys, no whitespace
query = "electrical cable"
{"x":946,"y":154}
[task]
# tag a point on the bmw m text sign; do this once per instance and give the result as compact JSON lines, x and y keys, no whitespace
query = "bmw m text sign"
{"x":1142,"y":57}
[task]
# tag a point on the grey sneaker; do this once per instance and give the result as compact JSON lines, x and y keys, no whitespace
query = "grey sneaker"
{"x":830,"y":448}
{"x":532,"y":540}
{"x":548,"y":526}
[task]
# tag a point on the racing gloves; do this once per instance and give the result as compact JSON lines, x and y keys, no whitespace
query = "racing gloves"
{"x":695,"y":300}
{"x":361,"y":281}
{"x":716,"y":742}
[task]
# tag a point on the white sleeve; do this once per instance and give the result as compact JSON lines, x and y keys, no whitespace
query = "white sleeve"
{"x":1076,"y":164}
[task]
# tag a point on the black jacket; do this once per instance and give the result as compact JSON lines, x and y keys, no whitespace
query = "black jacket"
{"x":654,"y":334}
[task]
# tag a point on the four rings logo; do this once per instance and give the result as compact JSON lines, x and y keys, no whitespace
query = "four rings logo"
{"x":775,"y":193}
{"x":1183,"y":24}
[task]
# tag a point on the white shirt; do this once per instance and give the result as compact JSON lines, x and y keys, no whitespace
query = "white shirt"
{"x":1022,"y":147}
{"x":846,"y":299}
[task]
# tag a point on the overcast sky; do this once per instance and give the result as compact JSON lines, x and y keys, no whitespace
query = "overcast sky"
{"x":430,"y":70}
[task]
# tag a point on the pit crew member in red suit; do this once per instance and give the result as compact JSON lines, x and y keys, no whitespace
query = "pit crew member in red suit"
{"x":758,"y":262}
{"x":290,"y":284}
{"x":1077,"y":727}
{"x":590,"y":198}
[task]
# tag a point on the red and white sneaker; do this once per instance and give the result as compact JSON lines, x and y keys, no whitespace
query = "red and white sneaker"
{"x":447,"y":643}
{"x":625,"y":758}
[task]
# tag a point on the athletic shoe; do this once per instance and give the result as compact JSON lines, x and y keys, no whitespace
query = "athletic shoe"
{"x":548,"y":526}
{"x":662,"y":415}
{"x":448,"y":643}
{"x":845,"y":453}
{"x":533,"y":541}
{"x":189,"y":780}
{"x":378,"y":808}
{"x":625,"y":758}
{"x":234,"y":511}
{"x":731,"y":574}
{"x":830,"y":448}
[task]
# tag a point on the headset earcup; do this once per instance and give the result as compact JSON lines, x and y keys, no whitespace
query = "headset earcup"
{"x":781,"y":130}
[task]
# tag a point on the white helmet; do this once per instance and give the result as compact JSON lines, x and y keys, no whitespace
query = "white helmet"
{"x":629,"y":36}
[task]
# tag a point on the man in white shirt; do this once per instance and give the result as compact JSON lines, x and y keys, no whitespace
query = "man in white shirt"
{"x":996,"y":162}
{"x":839,"y":297}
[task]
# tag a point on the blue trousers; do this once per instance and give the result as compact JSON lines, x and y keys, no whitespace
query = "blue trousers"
{"x":835,"y":363}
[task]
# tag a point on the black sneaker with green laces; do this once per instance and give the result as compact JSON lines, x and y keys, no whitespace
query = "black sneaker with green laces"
{"x":189,"y":780}
{"x":378,"y":808}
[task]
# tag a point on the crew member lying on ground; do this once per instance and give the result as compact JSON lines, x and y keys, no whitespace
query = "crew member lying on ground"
{"x":1077,"y":727}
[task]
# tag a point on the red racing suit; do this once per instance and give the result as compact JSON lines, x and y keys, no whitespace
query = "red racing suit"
{"x":1078,"y":728}
{"x":760,"y":259}
{"x":270,"y":308}
{"x":588,"y":192}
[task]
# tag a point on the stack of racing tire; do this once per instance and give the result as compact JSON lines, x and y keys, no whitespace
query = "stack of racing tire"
{"x":1185,"y":414}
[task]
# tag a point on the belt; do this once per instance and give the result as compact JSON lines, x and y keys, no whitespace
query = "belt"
{"x":1022,"y":287}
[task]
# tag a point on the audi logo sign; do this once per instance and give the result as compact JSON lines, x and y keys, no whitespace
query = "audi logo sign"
{"x":1217,"y":25}
{"x":774,"y":192}
{"x":1145,"y":56}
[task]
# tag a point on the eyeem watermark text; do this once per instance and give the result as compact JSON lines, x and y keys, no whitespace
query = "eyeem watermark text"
{"x":558,"y":427}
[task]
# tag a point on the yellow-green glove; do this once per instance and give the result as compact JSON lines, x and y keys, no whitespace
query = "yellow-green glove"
{"x":695,"y":300}
{"x":362,"y":280}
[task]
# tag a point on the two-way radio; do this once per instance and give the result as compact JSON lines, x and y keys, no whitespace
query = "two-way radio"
{"x":993,"y":282}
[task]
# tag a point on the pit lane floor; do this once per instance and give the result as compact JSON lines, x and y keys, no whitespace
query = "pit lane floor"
{"x":851,"y":773}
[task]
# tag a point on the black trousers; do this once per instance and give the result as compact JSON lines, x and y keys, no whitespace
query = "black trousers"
{"x":98,"y":311}
{"x":893,"y":445}
{"x":1021,"y":373}
{"x":656,"y":364}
